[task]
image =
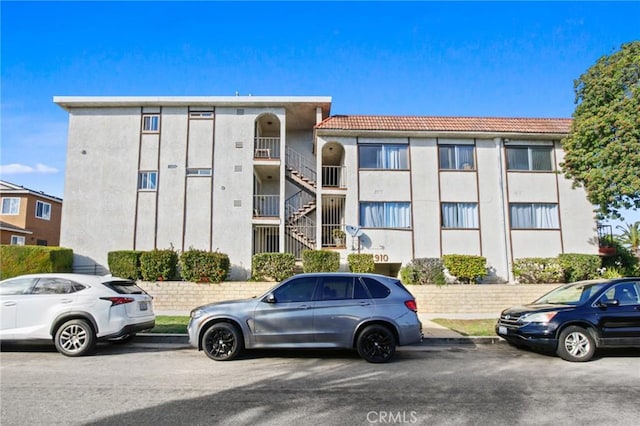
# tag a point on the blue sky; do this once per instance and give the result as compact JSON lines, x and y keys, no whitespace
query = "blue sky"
{"x":416,"y":58}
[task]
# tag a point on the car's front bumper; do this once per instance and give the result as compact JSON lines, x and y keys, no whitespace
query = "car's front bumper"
{"x":536,"y":335}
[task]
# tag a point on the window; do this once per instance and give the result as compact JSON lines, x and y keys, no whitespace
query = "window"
{"x":456,"y":157}
{"x":297,"y":290}
{"x":198,"y":172}
{"x":56,"y":286}
{"x":529,"y":158}
{"x":337,"y":288}
{"x":43,"y":210}
{"x":150,"y":123}
{"x":17,"y":286}
{"x":384,"y":156}
{"x":460,"y":215}
{"x":41,"y":242}
{"x":534,"y":216}
{"x":11,"y":206}
{"x":17,"y":240}
{"x":385,"y":215}
{"x":376,"y":288}
{"x":147,"y":180}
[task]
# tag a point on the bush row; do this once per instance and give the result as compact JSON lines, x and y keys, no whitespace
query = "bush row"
{"x":454,"y":268}
{"x":19,"y":260}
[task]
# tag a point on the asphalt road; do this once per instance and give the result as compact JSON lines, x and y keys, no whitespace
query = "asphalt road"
{"x":162,"y":384}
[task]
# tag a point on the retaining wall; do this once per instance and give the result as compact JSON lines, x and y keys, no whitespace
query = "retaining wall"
{"x":452,"y":299}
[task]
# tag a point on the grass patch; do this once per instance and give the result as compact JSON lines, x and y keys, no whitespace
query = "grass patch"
{"x":170,"y":324}
{"x":476,"y":327}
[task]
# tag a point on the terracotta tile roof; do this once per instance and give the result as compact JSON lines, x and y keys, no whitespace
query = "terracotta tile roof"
{"x":446,"y":124}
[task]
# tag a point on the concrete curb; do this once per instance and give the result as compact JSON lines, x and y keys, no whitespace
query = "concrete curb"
{"x":428,"y":341}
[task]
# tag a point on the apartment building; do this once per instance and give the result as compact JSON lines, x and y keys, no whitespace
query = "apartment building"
{"x":248,"y":174}
{"x":29,"y":217}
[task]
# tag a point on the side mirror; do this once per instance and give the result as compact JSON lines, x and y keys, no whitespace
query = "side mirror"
{"x":270,"y":298}
{"x":607,"y":303}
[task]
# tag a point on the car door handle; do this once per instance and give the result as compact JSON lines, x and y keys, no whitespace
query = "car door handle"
{"x":66,"y":301}
{"x":9,"y":303}
{"x":304,"y":306}
{"x":365,"y":303}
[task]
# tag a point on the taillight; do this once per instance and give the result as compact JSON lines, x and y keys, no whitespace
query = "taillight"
{"x":411,"y":304}
{"x":118,"y":300}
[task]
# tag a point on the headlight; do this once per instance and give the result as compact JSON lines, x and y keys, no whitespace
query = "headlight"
{"x":196,"y":313}
{"x":540,"y":317}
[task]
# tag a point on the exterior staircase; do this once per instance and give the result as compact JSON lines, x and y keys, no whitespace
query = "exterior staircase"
{"x":299,"y":225}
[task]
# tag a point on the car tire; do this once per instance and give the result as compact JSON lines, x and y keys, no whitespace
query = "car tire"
{"x":222,"y":342}
{"x":376,"y":344}
{"x":576,"y":344}
{"x":75,"y":338}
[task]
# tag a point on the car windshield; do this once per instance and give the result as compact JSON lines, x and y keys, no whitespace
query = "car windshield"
{"x":573,"y":294}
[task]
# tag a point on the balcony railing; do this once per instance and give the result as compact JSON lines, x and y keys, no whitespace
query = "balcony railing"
{"x":266,"y":148}
{"x":333,"y":177}
{"x":266,"y":205}
{"x":265,"y":239}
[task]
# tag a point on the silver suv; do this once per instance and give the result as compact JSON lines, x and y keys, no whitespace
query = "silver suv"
{"x":367,"y":312}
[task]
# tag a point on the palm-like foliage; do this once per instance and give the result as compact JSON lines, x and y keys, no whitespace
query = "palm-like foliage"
{"x":630,"y":236}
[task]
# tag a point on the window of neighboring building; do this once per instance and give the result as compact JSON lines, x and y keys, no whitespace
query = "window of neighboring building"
{"x":460,"y":215}
{"x":456,"y":157}
{"x":43,"y":210}
{"x":385,"y":215}
{"x":199,"y":172}
{"x":384,"y":156}
{"x":147,"y":180}
{"x":17,"y":240}
{"x":534,"y":216}
{"x":534,"y":158}
{"x":150,"y":123}
{"x":41,"y":242}
{"x":11,"y":206}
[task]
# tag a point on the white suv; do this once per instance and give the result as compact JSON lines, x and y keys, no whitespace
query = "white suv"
{"x":74,"y":310}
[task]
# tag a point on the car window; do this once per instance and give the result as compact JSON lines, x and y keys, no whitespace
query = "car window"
{"x":625,"y":293}
{"x":56,"y":286}
{"x":17,"y":286}
{"x":124,"y":287}
{"x":376,"y":288}
{"x":296,"y":290}
{"x":359,"y":291}
{"x":336,"y":288}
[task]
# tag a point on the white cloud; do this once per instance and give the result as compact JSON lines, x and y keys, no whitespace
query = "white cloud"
{"x":16,"y":169}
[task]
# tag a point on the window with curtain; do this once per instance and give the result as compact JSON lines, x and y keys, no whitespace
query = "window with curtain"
{"x":147,"y":180}
{"x":150,"y":123}
{"x":385,"y":215}
{"x":456,"y":157}
{"x":383,"y":156}
{"x":460,"y":215}
{"x":534,"y":216}
{"x":11,"y":206}
{"x":536,"y":158}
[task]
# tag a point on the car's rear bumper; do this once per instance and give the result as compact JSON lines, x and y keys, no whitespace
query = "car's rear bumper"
{"x":131,"y":329}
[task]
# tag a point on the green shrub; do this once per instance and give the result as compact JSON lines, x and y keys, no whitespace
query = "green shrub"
{"x":466,"y":268}
{"x":578,"y":267}
{"x":623,"y":261}
{"x":125,"y":264}
{"x":204,"y":266}
{"x":272,"y":266}
{"x":538,"y":270}
{"x":18,"y":260}
{"x":320,"y":261}
{"x":361,"y":263}
{"x":158,"y":265}
{"x":423,"y":271}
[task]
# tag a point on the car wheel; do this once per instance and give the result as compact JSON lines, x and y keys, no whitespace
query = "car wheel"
{"x":75,"y":338}
{"x":576,"y":344}
{"x":376,"y":344}
{"x":222,"y":342}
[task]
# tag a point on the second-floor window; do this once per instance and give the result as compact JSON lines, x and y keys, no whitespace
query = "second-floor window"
{"x":147,"y":180}
{"x":385,"y":215}
{"x":150,"y":123}
{"x":460,"y":215}
{"x":456,"y":157}
{"x":384,"y":156}
{"x":11,"y":206}
{"x":43,"y":210}
{"x":533,"y":158}
{"x":534,"y":216}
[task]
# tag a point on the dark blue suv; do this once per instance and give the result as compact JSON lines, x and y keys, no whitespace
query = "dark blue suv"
{"x":576,"y":319}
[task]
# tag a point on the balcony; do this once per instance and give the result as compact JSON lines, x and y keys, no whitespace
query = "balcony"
{"x":333,"y":177}
{"x":266,"y":206}
{"x":266,"y":148}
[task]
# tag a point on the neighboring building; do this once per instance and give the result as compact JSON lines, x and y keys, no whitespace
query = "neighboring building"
{"x":29,"y":217}
{"x":245,"y":175}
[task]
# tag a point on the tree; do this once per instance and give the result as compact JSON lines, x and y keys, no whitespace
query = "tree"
{"x":602,"y":150}
{"x":630,"y":236}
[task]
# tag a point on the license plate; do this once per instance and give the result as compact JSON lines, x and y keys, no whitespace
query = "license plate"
{"x":143,"y":306}
{"x":502,"y":330}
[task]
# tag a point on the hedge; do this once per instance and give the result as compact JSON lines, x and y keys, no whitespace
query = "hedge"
{"x":361,"y":263}
{"x":320,"y":261}
{"x":158,"y":265}
{"x":125,"y":264}
{"x":466,"y":268}
{"x":19,"y":260}
{"x":538,"y":270}
{"x":578,"y":267}
{"x":272,"y":266}
{"x":423,"y":271}
{"x":204,"y":266}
